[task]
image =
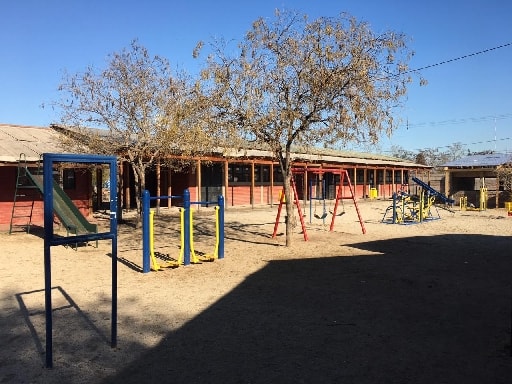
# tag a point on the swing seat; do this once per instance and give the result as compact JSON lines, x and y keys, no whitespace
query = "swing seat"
{"x":324,"y":215}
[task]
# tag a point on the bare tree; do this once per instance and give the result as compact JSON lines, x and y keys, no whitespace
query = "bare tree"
{"x":504,"y":178}
{"x":455,"y":151}
{"x":145,"y":112}
{"x":402,"y":153}
{"x":306,"y":83}
{"x":436,"y":157}
{"x":430,"y":156}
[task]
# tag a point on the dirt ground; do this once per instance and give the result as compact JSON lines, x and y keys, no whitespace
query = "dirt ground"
{"x":424,"y":303}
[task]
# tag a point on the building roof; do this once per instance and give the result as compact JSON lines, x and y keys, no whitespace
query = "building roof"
{"x":354,"y":158}
{"x":479,"y":161}
{"x":310,"y":155}
{"x":32,"y":142}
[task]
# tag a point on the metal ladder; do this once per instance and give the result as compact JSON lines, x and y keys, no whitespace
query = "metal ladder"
{"x":25,"y":195}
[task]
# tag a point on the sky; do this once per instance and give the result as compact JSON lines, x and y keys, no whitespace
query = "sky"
{"x":468,"y":98}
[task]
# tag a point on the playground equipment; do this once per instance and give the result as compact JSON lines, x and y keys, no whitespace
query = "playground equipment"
{"x":463,"y":201}
{"x":344,"y":178}
{"x":187,"y":253}
{"x":409,"y":209}
{"x":413,"y":209}
{"x":195,"y":258}
{"x":154,"y":263}
{"x":50,"y":239}
{"x":282,"y":200}
{"x":320,"y":195}
{"x":508,"y":207}
{"x":69,"y":215}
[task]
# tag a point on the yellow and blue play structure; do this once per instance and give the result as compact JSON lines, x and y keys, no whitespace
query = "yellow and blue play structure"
{"x":414,"y":209}
{"x":187,"y":254}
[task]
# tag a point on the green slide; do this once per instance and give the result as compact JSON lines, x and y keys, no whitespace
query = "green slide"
{"x":67,"y":212}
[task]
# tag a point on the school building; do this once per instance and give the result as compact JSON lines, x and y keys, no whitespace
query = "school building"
{"x":245,"y":178}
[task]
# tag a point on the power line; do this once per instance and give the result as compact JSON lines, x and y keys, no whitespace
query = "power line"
{"x":464,"y":144}
{"x":485,"y":141}
{"x":464,"y":120}
{"x":460,"y":58}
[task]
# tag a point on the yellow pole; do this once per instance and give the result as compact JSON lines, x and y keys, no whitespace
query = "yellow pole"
{"x":463,"y":203}
{"x":217,"y":233}
{"x":215,"y":255}
{"x":182,"y":236}
{"x":156,"y":267}
{"x":422,"y":202}
{"x":193,"y":256}
{"x":483,"y":198}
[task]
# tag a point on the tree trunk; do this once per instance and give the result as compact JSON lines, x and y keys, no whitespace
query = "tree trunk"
{"x":120,"y":189}
{"x":290,"y":219}
{"x":139,"y":176}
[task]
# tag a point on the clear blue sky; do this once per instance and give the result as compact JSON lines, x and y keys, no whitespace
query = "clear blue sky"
{"x":467,"y":100}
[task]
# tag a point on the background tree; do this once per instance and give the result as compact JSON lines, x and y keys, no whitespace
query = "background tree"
{"x":504,"y":177}
{"x":306,"y":83}
{"x":143,"y":110}
{"x":430,"y":156}
{"x":455,"y":151}
{"x":402,"y":153}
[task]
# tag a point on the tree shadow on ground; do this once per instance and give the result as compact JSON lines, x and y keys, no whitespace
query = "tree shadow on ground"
{"x":418,"y":310}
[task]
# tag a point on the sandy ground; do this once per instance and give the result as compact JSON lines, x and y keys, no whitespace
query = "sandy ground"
{"x":425,"y":303}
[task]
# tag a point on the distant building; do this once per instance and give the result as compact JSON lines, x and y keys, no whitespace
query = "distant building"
{"x":466,"y":177}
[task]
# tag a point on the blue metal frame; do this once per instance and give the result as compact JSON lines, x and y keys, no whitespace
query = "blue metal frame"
{"x":50,"y":240}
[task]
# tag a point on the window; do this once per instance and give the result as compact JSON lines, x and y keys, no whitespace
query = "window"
{"x":388,"y":177}
{"x":278,"y":176}
{"x":239,"y":173}
{"x":261,"y":173}
{"x":380,"y":176}
{"x":360,"y":176}
{"x":68,"y":179}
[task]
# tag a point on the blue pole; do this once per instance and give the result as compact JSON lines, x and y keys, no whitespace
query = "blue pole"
{"x":221,"y":227}
{"x":113,"y":229}
{"x":48,"y":235}
{"x":145,"y":232}
{"x":186,"y":224}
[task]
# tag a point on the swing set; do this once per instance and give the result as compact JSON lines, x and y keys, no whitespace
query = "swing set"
{"x":320,"y":197}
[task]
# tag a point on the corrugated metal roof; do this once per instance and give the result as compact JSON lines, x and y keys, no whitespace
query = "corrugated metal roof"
{"x":312,"y":154}
{"x":340,"y":158}
{"x":30,"y":141}
{"x":491,"y":160}
{"x":350,"y":154}
{"x":34,"y":141}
